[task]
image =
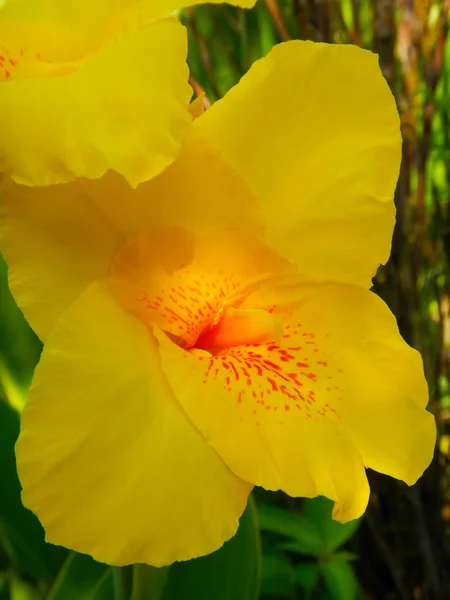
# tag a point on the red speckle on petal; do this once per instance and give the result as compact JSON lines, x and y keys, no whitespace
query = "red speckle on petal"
{"x":273,"y":384}
{"x":9,"y":61}
{"x":272,"y":365}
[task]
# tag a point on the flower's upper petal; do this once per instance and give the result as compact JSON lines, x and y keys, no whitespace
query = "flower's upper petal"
{"x":199,"y":190}
{"x":340,"y":391}
{"x":36,"y":36}
{"x":92,"y":86}
{"x":159,"y":8}
{"x":49,"y":37}
{"x":315,"y":131}
{"x":125,"y":109}
{"x":107,"y":459}
{"x":59,"y":239}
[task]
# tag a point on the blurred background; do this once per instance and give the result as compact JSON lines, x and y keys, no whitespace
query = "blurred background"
{"x":287,"y":548}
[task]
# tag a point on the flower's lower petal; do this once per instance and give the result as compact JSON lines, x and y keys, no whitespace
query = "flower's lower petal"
{"x":125,"y":109}
{"x":340,"y":391}
{"x":314,"y":130}
{"x":382,"y":391}
{"x":107,"y":459}
{"x":56,"y":242}
{"x":256,"y":435}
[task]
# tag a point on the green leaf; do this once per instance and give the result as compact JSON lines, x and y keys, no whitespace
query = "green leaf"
{"x":283,"y":522}
{"x":231,"y":573}
{"x":333,"y":534}
{"x":339,"y":579}
{"x":21,"y":535}
{"x":307,"y":575}
{"x":82,"y":577}
{"x":277,"y":575}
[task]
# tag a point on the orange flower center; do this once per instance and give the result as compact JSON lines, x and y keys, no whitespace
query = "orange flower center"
{"x":200,"y":309}
{"x":205,"y":298}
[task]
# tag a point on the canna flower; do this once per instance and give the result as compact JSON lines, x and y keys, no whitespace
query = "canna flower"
{"x":213,"y":329}
{"x":92,"y":86}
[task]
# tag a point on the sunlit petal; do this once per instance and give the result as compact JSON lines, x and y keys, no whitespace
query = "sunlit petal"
{"x":125,"y":109}
{"x":107,"y":459}
{"x":314,"y":130}
{"x":339,"y":391}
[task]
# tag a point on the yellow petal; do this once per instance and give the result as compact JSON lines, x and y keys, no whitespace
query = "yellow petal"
{"x":49,"y":32}
{"x":314,"y":130}
{"x":199,"y":190}
{"x":38,"y":36}
{"x":107,"y":459}
{"x":125,"y":109}
{"x":58,"y":239}
{"x":163,"y":7}
{"x":382,"y":389}
{"x":341,"y":390}
{"x":243,"y":403}
{"x":56,"y":242}
{"x":197,"y":106}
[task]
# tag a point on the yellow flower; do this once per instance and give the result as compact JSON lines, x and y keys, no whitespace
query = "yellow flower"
{"x":92,"y":85}
{"x":213,"y":329}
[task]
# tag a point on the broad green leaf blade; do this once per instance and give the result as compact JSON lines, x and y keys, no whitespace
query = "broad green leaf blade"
{"x":83,"y":577}
{"x":231,"y":573}
{"x":277,"y":520}
{"x":333,"y":534}
{"x":277,"y":575}
{"x":339,"y":579}
{"x":21,"y":535}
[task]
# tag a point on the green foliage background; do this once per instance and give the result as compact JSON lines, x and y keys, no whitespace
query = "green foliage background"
{"x":289,"y":548}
